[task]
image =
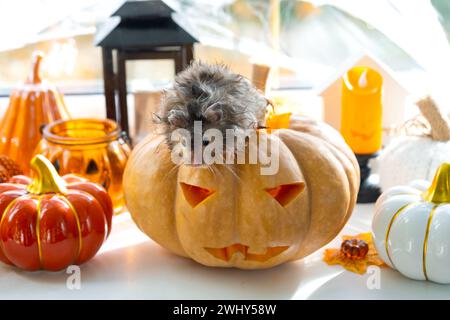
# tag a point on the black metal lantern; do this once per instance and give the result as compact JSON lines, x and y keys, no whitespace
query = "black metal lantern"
{"x":138,"y":30}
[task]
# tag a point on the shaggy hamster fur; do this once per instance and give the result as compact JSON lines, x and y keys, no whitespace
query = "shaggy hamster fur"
{"x":214,"y":95}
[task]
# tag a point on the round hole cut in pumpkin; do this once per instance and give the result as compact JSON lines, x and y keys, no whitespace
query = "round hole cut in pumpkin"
{"x":233,"y":216}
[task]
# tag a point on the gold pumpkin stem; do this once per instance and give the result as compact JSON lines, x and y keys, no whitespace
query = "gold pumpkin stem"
{"x":439,"y":192}
{"x":46,"y":178}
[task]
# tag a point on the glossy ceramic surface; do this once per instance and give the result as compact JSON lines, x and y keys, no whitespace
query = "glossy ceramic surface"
{"x":51,"y":222}
{"x":411,"y":230}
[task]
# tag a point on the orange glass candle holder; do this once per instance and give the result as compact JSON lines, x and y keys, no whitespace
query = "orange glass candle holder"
{"x":91,"y":148}
{"x":361,"y":117}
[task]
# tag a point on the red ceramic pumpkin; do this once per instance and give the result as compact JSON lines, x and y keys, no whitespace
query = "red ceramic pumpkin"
{"x":52,"y":222}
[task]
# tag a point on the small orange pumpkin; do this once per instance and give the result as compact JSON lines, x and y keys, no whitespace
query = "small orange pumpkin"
{"x":35,"y":104}
{"x":244,"y":219}
{"x":52,"y":222}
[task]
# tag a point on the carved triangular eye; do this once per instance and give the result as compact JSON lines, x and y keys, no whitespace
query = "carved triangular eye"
{"x":92,"y":167}
{"x":194,"y":195}
{"x":285,"y":193}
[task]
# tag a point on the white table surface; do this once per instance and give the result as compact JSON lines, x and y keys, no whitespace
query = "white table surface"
{"x":131,"y":266}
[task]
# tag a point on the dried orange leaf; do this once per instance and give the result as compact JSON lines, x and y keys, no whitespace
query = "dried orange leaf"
{"x":278,"y":121}
{"x":334,"y":256}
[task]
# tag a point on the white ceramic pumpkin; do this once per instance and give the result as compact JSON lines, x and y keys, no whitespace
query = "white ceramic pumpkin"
{"x":407,"y":158}
{"x":410,"y":158}
{"x":411,"y":228}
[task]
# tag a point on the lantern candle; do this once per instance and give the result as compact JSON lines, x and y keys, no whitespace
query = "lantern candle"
{"x":362,"y":109}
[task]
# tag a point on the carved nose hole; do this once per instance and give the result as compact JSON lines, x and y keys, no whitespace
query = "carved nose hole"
{"x":286,"y":193}
{"x":195,"y":195}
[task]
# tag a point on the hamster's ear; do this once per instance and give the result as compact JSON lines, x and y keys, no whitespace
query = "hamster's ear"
{"x":177,"y":118}
{"x":213,"y":113}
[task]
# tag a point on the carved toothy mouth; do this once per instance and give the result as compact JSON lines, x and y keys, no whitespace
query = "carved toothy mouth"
{"x":227,"y":252}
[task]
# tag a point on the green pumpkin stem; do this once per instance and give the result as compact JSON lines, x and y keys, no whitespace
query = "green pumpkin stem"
{"x":46,"y":179}
{"x":439,"y":191}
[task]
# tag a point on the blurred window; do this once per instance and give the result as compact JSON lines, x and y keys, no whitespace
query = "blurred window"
{"x":308,"y":40}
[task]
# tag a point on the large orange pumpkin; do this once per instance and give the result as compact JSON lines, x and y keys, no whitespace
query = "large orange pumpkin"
{"x":52,"y":222}
{"x":35,"y":104}
{"x":245,"y":219}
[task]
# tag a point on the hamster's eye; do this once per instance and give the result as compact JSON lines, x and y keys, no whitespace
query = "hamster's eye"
{"x":205,"y":142}
{"x":183,"y":142}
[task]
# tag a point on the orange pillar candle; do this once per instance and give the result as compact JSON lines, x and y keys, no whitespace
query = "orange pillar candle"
{"x":361,"y":108}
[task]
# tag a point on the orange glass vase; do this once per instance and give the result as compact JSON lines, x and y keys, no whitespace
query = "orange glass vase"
{"x":91,"y":148}
{"x":35,"y":104}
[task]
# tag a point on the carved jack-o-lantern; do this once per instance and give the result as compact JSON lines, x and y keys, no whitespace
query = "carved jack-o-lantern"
{"x":244,"y":219}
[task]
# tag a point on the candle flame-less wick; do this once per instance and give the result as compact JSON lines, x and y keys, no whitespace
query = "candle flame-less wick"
{"x":362,"y":81}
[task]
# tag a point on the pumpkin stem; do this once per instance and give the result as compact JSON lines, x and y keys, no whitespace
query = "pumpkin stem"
{"x":439,"y":192}
{"x":46,"y":178}
{"x":34,"y":76}
{"x":260,"y":76}
{"x":439,"y":122}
